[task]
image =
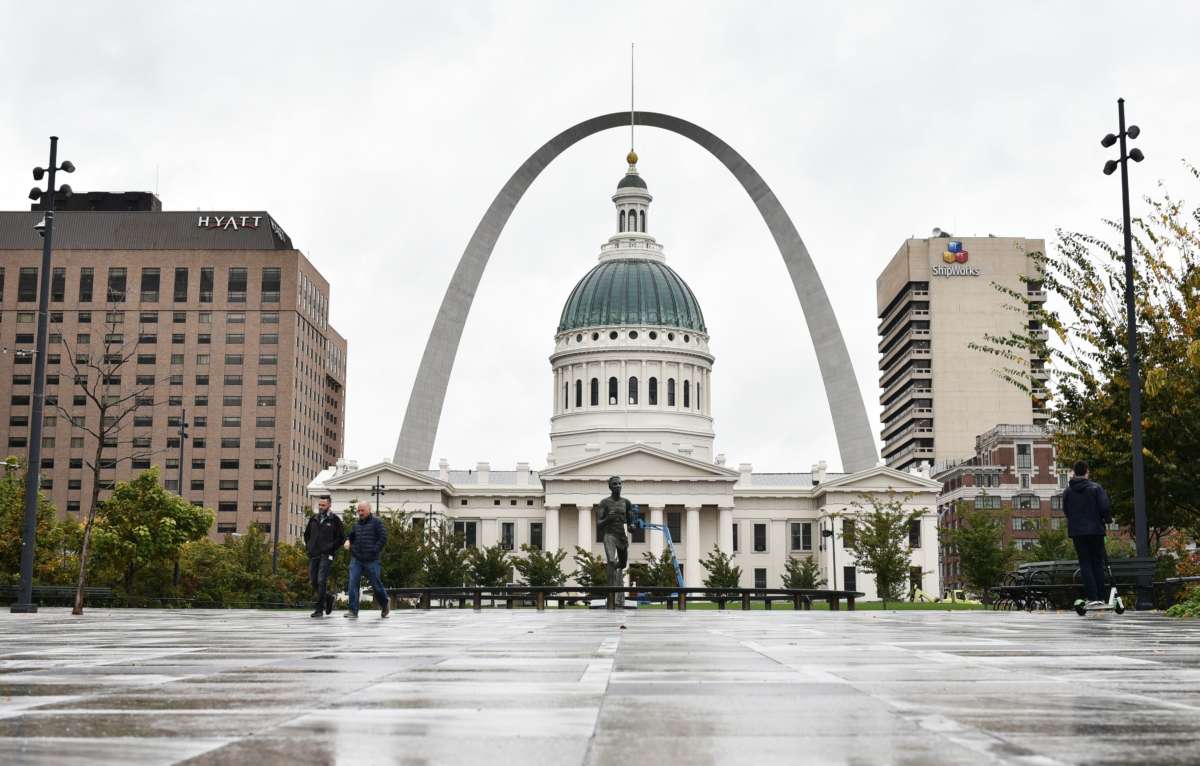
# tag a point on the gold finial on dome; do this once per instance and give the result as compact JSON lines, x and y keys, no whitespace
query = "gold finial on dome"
{"x":631,"y":158}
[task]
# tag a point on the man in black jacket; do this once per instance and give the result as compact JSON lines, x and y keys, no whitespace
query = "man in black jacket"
{"x":367,"y":538}
{"x":322,"y":537}
{"x":1087,"y":509}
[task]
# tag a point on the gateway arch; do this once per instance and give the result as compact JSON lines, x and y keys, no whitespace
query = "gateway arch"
{"x":856,"y":444}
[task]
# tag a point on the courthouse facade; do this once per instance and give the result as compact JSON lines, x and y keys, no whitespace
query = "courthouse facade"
{"x":631,"y":389}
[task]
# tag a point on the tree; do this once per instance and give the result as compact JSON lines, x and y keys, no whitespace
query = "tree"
{"x":654,"y":571}
{"x":445,"y":559}
{"x":490,"y":567}
{"x":1052,"y":545}
{"x":1087,"y":386}
{"x":541,"y":568}
{"x":591,"y":569}
{"x":880,"y":543}
{"x":109,"y":405}
{"x":143,"y":524}
{"x":402,"y":562}
{"x":54,"y":539}
{"x":983,"y":555}
{"x":802,"y":573}
{"x":721,"y":571}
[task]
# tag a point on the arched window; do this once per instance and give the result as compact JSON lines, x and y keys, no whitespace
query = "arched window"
{"x":642,"y":216}
{"x":595,"y":392}
{"x":670,"y":392}
{"x":566,"y":395}
{"x":633,"y":390}
{"x":621,"y":222}
{"x":699,"y":400}
{"x":612,"y":391}
{"x":653,"y":386}
{"x":687,"y":394}
{"x":578,"y":393}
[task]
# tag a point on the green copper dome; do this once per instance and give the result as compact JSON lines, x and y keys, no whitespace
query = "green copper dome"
{"x":637,"y":292}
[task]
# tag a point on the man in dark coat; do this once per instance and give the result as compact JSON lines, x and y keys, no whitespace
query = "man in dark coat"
{"x":1088,"y":511}
{"x":322,"y":537}
{"x":367,"y":538}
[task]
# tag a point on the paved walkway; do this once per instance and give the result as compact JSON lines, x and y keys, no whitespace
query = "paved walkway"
{"x":499,"y":687}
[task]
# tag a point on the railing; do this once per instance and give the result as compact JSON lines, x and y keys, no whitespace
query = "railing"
{"x":565,"y":595}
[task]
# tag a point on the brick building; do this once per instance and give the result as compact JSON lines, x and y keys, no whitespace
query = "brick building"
{"x":1014,"y":471}
{"x":230,"y":323}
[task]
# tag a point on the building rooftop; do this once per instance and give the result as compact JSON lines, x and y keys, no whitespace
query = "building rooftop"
{"x":146,"y":230}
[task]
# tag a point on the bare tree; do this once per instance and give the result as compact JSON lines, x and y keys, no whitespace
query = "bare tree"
{"x":113,"y":401}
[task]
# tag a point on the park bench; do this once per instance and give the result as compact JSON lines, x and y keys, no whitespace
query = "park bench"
{"x":1056,"y":584}
{"x":570,"y":595}
{"x":45,"y":595}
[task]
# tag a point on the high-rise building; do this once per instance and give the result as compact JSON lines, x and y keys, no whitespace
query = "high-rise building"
{"x":935,"y":298}
{"x":217,"y":313}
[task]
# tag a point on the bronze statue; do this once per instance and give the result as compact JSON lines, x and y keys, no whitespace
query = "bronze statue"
{"x":614,"y":517}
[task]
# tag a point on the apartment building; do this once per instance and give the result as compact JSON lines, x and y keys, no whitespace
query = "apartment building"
{"x":226,"y":325}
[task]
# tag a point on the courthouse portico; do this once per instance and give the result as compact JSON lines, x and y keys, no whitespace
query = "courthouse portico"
{"x":632,"y":396}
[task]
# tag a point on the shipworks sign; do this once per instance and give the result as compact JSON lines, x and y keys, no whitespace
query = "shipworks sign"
{"x":957,"y":262}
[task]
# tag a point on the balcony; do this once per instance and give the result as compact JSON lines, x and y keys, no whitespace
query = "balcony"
{"x":904,"y":399}
{"x":901,"y":353}
{"x":1036,"y":296}
{"x":910,"y":453}
{"x":898,"y":383}
{"x":904,"y":417}
{"x":891,"y":331}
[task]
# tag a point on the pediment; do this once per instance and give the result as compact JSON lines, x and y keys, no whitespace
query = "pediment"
{"x":640,"y":462}
{"x":880,"y":479}
{"x":390,"y":475}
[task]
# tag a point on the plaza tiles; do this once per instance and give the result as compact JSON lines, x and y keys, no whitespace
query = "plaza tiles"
{"x":573,"y":687}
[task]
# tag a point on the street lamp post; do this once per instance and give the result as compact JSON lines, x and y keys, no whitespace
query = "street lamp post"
{"x":278,"y":503}
{"x":183,"y":435}
{"x":1145,"y":588}
{"x":33,"y":465}
{"x":378,"y":490}
{"x":828,"y":535}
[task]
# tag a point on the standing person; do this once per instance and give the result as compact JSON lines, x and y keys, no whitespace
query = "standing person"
{"x":1087,"y":509}
{"x":322,"y":537}
{"x":367,"y":538}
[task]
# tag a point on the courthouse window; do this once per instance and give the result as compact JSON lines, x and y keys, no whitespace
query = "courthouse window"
{"x":760,"y":538}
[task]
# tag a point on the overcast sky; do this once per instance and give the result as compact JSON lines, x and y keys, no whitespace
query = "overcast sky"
{"x":377,"y":134}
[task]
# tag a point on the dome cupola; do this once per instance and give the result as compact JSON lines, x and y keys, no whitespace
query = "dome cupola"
{"x":631,"y":360}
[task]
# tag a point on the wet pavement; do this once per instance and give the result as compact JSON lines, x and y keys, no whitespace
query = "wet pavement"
{"x":449,"y":686}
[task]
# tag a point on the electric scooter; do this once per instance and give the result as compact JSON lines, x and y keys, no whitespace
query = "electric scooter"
{"x":1114,"y":602}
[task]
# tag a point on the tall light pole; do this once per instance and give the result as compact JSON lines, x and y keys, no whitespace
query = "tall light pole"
{"x":33,"y":466}
{"x":278,"y":502}
{"x":183,"y":435}
{"x":1141,"y":532}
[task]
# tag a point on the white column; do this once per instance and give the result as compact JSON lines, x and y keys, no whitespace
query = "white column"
{"x":725,"y":530}
{"x":587,"y":531}
{"x":693,"y":574}
{"x":656,"y":536}
{"x":550,"y":531}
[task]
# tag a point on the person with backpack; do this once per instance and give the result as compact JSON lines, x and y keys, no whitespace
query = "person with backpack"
{"x":1088,"y":511}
